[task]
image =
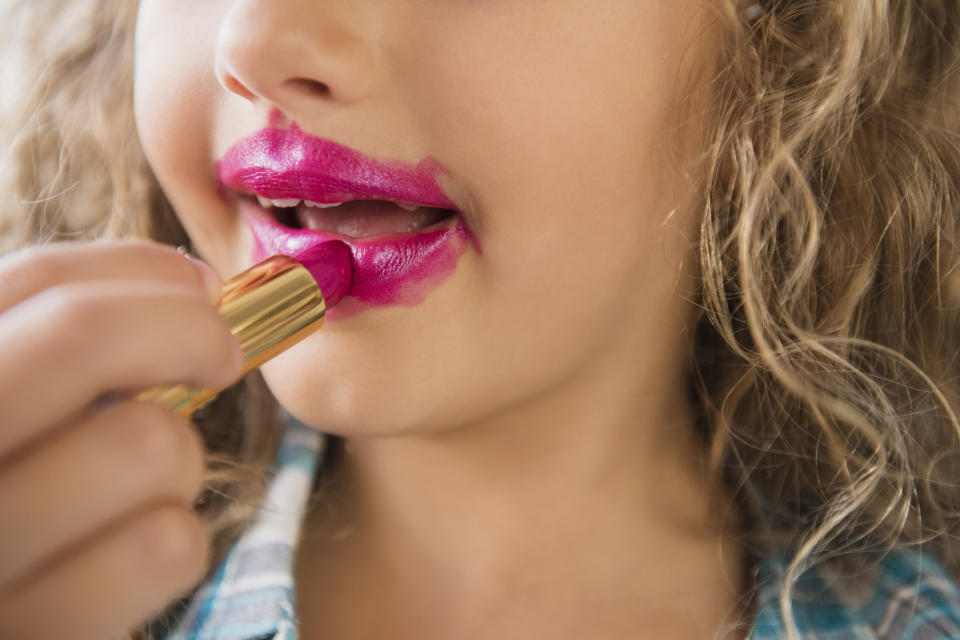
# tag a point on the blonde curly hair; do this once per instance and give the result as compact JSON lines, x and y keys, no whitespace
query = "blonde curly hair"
{"x":823,"y":366}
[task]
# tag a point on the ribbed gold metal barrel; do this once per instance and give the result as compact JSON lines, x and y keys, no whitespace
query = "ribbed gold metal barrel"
{"x":269,"y":307}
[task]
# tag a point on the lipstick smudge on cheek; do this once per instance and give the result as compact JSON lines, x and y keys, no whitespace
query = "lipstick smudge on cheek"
{"x":391,"y":268}
{"x":402,"y":272}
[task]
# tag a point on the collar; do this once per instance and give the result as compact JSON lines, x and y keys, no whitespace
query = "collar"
{"x":250,"y":596}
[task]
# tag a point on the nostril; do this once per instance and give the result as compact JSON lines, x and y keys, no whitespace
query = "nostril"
{"x":235,"y":86}
{"x":310,"y":87}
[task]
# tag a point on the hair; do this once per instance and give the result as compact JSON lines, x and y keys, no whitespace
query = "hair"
{"x":823,"y":365}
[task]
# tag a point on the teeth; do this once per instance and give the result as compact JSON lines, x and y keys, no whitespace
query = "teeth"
{"x":287,"y":203}
{"x":283,"y":203}
{"x":321,"y":205}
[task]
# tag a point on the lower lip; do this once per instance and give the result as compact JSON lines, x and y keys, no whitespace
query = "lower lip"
{"x":389,"y":270}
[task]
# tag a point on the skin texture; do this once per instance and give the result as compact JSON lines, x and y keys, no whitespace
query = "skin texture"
{"x":539,"y":473}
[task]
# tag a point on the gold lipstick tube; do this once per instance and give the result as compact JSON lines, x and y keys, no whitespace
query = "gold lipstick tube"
{"x":269,"y":307}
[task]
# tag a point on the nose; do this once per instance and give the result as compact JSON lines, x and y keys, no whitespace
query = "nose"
{"x":297,"y":55}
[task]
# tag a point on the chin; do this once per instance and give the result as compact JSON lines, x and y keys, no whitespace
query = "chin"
{"x":340,"y":405}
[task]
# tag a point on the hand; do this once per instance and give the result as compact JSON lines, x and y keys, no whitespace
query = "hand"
{"x":97,"y":530}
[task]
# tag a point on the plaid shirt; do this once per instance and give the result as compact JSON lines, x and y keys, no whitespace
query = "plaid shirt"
{"x":905,"y":596}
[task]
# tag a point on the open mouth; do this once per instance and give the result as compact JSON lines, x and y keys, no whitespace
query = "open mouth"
{"x":356,"y":218}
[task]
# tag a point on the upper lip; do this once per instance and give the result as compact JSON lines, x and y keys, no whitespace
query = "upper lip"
{"x":280,"y":164}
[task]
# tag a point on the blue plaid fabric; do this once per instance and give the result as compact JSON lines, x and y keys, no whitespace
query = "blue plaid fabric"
{"x":906,"y":595}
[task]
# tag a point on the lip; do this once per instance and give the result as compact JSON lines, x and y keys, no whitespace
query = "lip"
{"x":390,"y":269}
{"x":289,"y":163}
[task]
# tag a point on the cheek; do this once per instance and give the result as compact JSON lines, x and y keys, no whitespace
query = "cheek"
{"x":564,"y":137}
{"x":573,"y":217}
{"x":174,"y":97}
{"x":174,"y":81}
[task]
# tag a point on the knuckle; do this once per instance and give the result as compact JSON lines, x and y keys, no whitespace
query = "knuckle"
{"x":27,"y":269}
{"x":175,"y":541}
{"x":53,"y":320}
{"x":67,"y":308}
{"x":158,"y":444}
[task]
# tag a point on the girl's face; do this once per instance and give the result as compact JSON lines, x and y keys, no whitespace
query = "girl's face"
{"x":561,"y":131}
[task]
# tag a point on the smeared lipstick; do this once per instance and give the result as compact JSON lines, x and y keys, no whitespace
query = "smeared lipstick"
{"x":296,"y":191}
{"x":393,"y":269}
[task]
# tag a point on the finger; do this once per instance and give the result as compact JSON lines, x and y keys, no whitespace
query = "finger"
{"x":114,"y":582}
{"x":114,"y":462}
{"x":26,"y":272}
{"x":70,"y":344}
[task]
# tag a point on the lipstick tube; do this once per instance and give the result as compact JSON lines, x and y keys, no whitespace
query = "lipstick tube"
{"x":269,"y":307}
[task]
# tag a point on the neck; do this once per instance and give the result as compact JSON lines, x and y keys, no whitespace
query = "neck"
{"x":594,"y":480}
{"x":563,"y":465}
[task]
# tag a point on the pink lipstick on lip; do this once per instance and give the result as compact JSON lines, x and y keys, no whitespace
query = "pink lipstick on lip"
{"x":389,"y":269}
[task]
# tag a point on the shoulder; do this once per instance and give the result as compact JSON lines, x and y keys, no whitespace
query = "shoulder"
{"x":904,"y":595}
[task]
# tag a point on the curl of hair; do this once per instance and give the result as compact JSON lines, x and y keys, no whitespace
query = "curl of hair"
{"x":823,"y":365}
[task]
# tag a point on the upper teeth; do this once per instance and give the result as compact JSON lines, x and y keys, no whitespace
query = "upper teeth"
{"x":287,"y":203}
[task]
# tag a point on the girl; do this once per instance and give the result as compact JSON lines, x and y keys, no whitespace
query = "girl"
{"x":663,"y":346}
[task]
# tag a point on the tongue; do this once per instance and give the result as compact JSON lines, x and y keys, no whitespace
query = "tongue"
{"x":365,"y":218}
